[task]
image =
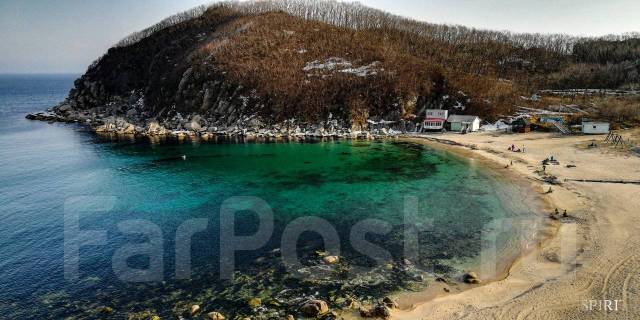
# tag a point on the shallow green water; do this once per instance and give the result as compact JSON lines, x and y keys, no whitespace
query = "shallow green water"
{"x":45,"y":168}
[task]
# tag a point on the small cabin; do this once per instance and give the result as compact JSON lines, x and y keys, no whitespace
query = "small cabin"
{"x":464,"y":124}
{"x":434,"y":119}
{"x":591,"y":127}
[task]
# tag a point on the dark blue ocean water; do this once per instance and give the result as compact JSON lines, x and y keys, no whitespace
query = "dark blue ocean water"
{"x":51,"y":173}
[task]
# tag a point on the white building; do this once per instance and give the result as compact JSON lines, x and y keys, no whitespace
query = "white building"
{"x":464,"y":123}
{"x":590,"y":127}
{"x":435,"y":119}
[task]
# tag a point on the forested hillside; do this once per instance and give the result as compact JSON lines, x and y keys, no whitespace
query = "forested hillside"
{"x":271,"y":61}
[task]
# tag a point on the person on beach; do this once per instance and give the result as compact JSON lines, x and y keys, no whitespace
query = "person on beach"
{"x":565,"y":213}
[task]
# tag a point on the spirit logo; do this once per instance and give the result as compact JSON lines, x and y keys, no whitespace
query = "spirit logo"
{"x":601,"y":305}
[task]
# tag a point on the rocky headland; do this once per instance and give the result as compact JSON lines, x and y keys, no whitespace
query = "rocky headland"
{"x":294,"y":68}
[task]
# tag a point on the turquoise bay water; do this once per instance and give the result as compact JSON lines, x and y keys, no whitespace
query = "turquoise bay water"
{"x":43,"y":166}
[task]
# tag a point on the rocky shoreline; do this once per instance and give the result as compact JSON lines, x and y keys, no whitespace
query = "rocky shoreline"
{"x":197,"y":126}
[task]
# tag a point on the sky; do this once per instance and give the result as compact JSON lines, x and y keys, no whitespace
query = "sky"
{"x":65,"y":36}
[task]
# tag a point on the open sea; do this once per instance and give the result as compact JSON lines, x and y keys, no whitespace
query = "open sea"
{"x":84,"y":218}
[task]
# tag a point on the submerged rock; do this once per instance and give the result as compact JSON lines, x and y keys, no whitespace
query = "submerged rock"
{"x":331,"y":259}
{"x":254,"y":303}
{"x":322,"y":253}
{"x":215,"y":316}
{"x":194,"y":309}
{"x":144,"y":315}
{"x":314,"y":308}
{"x":106,"y":310}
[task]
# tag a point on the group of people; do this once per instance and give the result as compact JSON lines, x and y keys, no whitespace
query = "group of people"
{"x":513,"y":148}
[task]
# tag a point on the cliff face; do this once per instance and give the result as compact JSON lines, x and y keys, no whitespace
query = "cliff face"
{"x":162,"y":78}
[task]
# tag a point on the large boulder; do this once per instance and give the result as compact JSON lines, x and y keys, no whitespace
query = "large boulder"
{"x":379,"y":311}
{"x":471,"y":278}
{"x":130,"y":129}
{"x":215,"y":316}
{"x":193,"y":125}
{"x":154,"y":128}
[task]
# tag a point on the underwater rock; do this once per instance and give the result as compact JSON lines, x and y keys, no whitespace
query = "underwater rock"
{"x":195,"y":309}
{"x":215,"y":316}
{"x":106,"y":310}
{"x":314,"y":308}
{"x":144,"y":315}
{"x":322,"y":253}
{"x":254,"y":303}
{"x":471,"y":278}
{"x":331,"y":259}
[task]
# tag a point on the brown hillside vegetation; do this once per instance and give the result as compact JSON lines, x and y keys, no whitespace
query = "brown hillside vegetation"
{"x":293,"y":59}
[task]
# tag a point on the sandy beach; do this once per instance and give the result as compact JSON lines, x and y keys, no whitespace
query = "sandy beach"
{"x":589,"y":268}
